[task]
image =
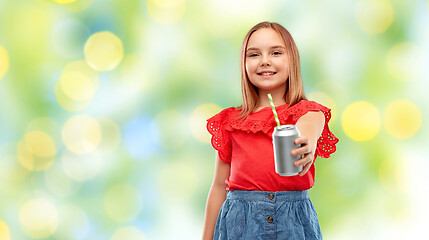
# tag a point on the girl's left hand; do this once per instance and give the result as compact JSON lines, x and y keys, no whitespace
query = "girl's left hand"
{"x":307,"y":155}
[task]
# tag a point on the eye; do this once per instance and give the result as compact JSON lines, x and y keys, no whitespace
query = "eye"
{"x":277,"y":53}
{"x":252,"y":55}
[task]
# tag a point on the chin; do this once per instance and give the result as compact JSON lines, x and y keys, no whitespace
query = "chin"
{"x":268,"y":86}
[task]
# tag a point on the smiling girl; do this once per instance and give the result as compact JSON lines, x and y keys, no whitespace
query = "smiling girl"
{"x":248,"y":199}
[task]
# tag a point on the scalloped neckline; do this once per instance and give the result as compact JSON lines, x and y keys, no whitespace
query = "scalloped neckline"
{"x":264,"y":108}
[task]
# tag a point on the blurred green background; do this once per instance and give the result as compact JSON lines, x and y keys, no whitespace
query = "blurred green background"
{"x":103,"y":106}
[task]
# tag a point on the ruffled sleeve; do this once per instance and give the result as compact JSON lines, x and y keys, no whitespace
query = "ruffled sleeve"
{"x":220,"y":136}
{"x":327,"y":141}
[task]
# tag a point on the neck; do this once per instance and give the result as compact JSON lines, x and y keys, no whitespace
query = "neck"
{"x":277,"y":94}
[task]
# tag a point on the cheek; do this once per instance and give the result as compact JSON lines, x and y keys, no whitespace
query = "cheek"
{"x":283,"y":64}
{"x":248,"y":69}
{"x":250,"y":66}
{"x":282,"y":70}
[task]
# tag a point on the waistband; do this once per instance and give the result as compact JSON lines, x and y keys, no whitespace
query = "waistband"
{"x":267,"y":196}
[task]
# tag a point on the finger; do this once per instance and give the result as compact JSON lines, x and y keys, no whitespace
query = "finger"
{"x":306,"y":159}
{"x":305,"y":169}
{"x":301,"y":140}
{"x":301,"y":150}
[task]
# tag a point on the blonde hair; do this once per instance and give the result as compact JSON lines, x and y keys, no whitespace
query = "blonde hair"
{"x":294,"y":90}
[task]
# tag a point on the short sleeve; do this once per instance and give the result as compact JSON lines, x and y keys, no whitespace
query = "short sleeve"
{"x":220,"y":136}
{"x":327,"y":140}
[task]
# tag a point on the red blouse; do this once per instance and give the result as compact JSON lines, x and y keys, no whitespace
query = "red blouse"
{"x":247,"y":146}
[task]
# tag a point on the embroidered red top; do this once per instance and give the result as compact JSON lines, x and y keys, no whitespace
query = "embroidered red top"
{"x":247,"y":146}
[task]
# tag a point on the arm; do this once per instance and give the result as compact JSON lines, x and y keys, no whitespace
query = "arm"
{"x":310,"y":126}
{"x":216,"y":197}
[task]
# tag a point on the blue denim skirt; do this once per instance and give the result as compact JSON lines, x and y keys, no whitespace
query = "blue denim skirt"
{"x":267,"y":215}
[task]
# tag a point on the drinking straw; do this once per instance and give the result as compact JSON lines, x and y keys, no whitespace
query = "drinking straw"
{"x":274,"y":109}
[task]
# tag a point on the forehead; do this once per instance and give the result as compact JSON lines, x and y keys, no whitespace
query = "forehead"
{"x":265,"y":38}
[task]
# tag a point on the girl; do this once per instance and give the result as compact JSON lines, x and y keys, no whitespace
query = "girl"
{"x":248,"y":199}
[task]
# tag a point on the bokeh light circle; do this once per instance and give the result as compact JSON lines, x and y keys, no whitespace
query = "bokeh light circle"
{"x":402,"y":119}
{"x":198,"y":121}
{"x":39,"y":218}
{"x":361,"y":121}
{"x":38,"y":148}
{"x":4,"y":231}
{"x":122,"y":202}
{"x":140,"y":137}
{"x":128,"y":233}
{"x":406,"y":62}
{"x":81,"y":134}
{"x":31,"y":161}
{"x":103,"y":51}
{"x":4,"y":62}
{"x":46,"y":125}
{"x":173,"y":129}
{"x":374,"y":16}
{"x":40,"y":144}
{"x":76,"y":86}
{"x":166,"y":12}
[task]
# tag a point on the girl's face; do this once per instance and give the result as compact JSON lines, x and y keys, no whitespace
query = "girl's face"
{"x":266,"y":60}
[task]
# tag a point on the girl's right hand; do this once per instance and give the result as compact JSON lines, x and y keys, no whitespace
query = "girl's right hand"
{"x":307,"y":156}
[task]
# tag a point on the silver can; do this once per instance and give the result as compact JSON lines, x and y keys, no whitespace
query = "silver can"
{"x":283,"y":143}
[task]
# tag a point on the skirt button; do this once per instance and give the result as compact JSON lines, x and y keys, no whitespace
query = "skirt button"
{"x":270,"y":219}
{"x":270,"y":196}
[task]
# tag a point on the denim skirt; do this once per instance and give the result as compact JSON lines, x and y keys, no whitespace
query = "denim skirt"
{"x":267,"y":215}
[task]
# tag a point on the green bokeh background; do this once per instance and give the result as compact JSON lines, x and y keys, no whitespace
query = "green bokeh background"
{"x":188,"y":55}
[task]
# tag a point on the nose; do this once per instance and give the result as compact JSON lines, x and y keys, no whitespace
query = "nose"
{"x":265,"y":61}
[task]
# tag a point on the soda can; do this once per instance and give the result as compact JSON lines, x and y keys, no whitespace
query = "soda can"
{"x":283,"y":143}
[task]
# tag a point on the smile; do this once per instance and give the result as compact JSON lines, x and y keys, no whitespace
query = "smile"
{"x":266,"y":73}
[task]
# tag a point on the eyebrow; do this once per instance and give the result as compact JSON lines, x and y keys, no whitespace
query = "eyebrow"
{"x":273,"y":47}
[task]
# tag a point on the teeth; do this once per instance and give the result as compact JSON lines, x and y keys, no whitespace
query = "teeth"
{"x":266,"y":73}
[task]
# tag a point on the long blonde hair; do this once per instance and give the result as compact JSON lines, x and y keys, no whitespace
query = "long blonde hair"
{"x":294,"y":90}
